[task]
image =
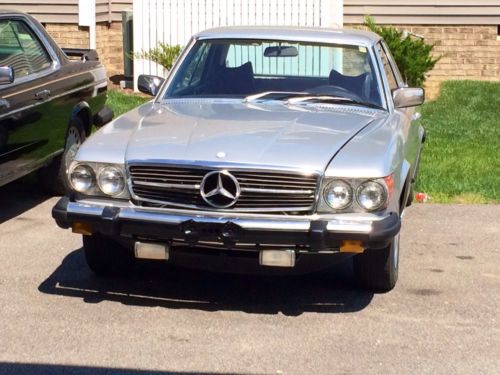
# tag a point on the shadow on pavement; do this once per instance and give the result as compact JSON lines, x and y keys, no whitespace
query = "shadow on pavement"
{"x":42,"y":369}
{"x":159,"y":284}
{"x":19,"y":197}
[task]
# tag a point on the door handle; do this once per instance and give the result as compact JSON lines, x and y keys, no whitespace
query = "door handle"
{"x":4,"y":104}
{"x":43,"y":95}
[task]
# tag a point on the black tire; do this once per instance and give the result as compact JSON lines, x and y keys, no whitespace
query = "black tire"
{"x":377,"y":269}
{"x":106,"y":257}
{"x":409,"y":199}
{"x":53,"y":177}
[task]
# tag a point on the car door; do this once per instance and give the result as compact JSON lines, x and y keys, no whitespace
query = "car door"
{"x":23,"y":103}
{"x":407,"y":116}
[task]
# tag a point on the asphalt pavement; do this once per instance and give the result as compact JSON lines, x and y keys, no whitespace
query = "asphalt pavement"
{"x":57,"y":317}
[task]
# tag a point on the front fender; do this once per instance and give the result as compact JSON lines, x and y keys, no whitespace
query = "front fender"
{"x":377,"y":151}
{"x":109,"y":143}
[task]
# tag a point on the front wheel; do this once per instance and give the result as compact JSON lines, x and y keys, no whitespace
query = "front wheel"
{"x":377,"y":269}
{"x":104,"y":256}
{"x":53,"y":177}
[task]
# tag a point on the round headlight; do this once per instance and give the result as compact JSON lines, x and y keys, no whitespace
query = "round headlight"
{"x":111,"y":180}
{"x":82,"y":178}
{"x":371,"y":195}
{"x":338,"y":194}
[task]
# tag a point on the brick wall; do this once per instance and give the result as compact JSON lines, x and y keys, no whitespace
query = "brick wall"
{"x":108,"y":42}
{"x":468,"y":52}
{"x":109,"y":45}
{"x":69,"y":36}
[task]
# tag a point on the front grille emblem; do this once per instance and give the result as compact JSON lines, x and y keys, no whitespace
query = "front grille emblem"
{"x":220,"y":189}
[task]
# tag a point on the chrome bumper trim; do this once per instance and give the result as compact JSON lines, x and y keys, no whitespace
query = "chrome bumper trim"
{"x":298,"y":224}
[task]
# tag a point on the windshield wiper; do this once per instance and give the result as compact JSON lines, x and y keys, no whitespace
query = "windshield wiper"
{"x":294,"y":97}
{"x":275,"y":95}
{"x":330,"y":99}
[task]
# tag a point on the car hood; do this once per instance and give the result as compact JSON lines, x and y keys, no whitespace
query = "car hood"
{"x":232,"y":132}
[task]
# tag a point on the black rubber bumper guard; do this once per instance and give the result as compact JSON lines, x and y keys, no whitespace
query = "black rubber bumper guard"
{"x":317,"y":238}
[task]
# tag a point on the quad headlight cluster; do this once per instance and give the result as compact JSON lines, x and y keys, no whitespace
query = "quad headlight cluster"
{"x":98,"y":179}
{"x":369,"y":195}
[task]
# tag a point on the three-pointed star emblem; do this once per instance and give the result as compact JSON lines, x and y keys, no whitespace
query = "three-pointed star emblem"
{"x":220,"y":189}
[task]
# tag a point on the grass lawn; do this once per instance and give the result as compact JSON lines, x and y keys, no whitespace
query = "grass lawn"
{"x":121,"y":102}
{"x":461,"y":157}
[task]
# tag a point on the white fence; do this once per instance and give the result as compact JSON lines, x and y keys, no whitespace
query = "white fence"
{"x":175,"y":21}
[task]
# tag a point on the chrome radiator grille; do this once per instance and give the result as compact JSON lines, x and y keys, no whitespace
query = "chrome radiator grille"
{"x":261,"y":191}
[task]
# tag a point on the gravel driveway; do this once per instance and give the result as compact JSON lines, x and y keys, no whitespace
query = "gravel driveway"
{"x":441,"y":318}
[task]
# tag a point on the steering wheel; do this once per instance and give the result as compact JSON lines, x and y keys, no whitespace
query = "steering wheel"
{"x":335,"y":91}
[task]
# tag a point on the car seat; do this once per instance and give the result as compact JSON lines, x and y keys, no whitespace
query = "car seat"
{"x":361,"y":85}
{"x":237,"y":81}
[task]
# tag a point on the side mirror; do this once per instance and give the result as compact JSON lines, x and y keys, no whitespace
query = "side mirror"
{"x":6,"y":75}
{"x":408,"y":97}
{"x":149,"y":84}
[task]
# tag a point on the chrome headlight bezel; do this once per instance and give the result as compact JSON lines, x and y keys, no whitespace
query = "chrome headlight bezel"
{"x":382,"y":191}
{"x":339,"y":184}
{"x":97,"y":169}
{"x":115,"y":174}
{"x":80,"y":169}
{"x":356,"y":184}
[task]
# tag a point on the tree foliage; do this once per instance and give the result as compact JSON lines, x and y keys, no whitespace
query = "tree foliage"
{"x":413,"y":55}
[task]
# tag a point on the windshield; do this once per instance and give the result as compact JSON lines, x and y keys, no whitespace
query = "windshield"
{"x":240,"y":68}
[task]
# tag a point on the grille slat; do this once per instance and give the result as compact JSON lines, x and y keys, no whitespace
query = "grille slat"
{"x":291,"y":192}
{"x":165,"y":176}
{"x":277,"y":184}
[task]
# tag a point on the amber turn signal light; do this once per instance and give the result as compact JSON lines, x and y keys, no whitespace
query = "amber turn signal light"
{"x":82,"y":228}
{"x":350,"y":246}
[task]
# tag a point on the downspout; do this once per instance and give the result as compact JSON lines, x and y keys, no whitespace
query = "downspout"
{"x":87,"y":17}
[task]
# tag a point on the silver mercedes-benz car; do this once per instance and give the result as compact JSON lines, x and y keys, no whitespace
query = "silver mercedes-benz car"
{"x":275,"y":143}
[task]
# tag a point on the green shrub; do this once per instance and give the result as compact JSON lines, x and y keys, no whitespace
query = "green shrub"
{"x":163,"y":54}
{"x":413,"y":55}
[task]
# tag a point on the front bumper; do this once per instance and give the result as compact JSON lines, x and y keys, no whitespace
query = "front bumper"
{"x":308,"y":234}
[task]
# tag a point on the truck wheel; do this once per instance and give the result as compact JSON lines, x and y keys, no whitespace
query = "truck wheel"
{"x":53,"y":177}
{"x":104,"y":256}
{"x":377,"y":269}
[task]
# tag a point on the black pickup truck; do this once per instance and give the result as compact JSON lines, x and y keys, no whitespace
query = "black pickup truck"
{"x":48,"y":101}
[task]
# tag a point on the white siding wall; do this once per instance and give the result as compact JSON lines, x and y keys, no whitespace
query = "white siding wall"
{"x":66,"y":11}
{"x":175,"y":21}
{"x":424,"y":12}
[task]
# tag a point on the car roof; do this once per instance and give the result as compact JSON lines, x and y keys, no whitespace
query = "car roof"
{"x":302,"y":34}
{"x":11,"y":11}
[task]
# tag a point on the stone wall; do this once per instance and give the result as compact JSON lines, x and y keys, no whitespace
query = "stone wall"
{"x":108,"y":42}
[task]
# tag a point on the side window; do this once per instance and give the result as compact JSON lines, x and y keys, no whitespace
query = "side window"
{"x":20,"y":49}
{"x":395,"y":69}
{"x":193,"y":71}
{"x":391,"y":78}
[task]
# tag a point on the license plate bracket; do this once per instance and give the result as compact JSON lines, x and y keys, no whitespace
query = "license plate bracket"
{"x":227,"y":232}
